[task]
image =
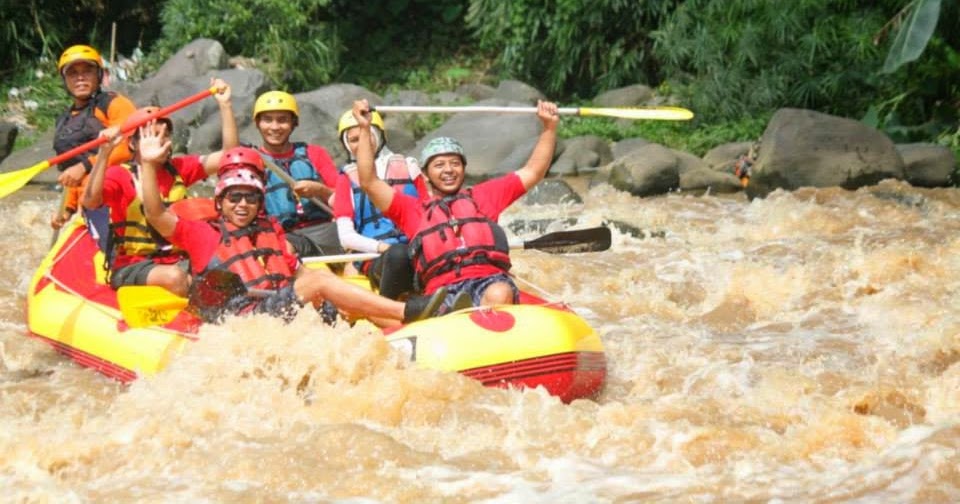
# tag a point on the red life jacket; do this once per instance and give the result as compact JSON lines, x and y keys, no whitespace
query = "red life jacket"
{"x":453,"y":235}
{"x":254,"y":252}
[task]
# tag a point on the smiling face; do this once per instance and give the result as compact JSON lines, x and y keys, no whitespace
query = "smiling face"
{"x":446,"y":173}
{"x":352,"y":136}
{"x":275,"y":127}
{"x":82,"y":79}
{"x":240,"y":205}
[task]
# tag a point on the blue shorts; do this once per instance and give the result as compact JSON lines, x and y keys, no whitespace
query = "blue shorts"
{"x":476,"y":286}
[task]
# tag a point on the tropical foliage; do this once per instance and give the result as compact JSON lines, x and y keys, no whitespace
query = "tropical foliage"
{"x":893,"y":63}
{"x":747,"y":56}
{"x":294,"y":39}
{"x":569,"y":46}
{"x":40,"y":29}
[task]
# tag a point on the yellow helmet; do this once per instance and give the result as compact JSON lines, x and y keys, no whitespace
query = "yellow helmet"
{"x":347,"y":121}
{"x":276,"y":101}
{"x":79,"y":53}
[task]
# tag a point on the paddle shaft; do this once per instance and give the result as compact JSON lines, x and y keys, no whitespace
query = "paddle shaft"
{"x":96,"y":142}
{"x":655,"y":113}
{"x":577,"y":240}
{"x":12,"y":181}
{"x":290,"y":181}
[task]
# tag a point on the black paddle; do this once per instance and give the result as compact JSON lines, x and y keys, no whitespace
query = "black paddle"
{"x":571,"y":242}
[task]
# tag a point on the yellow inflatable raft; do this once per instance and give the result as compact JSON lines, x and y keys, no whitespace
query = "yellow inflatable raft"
{"x":527,"y":345}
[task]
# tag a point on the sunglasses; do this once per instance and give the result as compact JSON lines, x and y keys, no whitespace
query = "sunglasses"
{"x":251,"y":197}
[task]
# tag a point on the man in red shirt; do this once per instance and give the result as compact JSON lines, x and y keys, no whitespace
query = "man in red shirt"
{"x":244,"y":241}
{"x":309,"y":226}
{"x":136,"y":255}
{"x":455,"y":239}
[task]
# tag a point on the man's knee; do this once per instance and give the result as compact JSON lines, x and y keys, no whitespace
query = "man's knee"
{"x":170,"y":277}
{"x":498,"y":293}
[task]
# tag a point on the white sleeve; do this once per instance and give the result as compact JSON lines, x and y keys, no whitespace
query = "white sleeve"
{"x":350,"y":239}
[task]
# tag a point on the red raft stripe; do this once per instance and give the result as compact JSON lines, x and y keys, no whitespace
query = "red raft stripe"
{"x":91,"y":361}
{"x":570,"y":361}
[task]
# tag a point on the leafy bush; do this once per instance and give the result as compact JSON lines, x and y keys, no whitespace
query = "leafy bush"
{"x":571,"y":47}
{"x":43,"y":28}
{"x":746,"y":56}
{"x":389,"y":43}
{"x":294,"y":38}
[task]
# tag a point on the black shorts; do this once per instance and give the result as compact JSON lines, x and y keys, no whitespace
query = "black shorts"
{"x":136,"y":273}
{"x":316,"y":240}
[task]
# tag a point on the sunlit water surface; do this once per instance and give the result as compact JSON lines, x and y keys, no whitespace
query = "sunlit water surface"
{"x":801,"y":347}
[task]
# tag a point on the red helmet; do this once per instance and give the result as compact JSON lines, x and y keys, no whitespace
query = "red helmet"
{"x":241,"y":157}
{"x":138,"y":116}
{"x":237,"y":176}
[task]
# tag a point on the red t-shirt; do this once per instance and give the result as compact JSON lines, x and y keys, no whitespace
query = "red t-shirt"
{"x":199,"y":239}
{"x":119,"y":191}
{"x":318,"y":157}
{"x":492,"y":198}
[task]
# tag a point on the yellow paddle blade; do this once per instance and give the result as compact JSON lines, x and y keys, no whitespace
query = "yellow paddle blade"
{"x":148,"y":305}
{"x":656,"y":113}
{"x":12,"y":181}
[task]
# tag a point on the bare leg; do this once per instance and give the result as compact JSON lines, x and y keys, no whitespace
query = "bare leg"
{"x":170,"y":277}
{"x":317,"y":285}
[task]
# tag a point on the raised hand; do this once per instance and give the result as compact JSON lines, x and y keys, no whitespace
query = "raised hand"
{"x":154,"y":146}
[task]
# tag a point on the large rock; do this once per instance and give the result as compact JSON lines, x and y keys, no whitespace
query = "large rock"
{"x":627,"y":96}
{"x":476,"y":91}
{"x":551,"y":192}
{"x":706,"y":180}
{"x":582,"y":154}
{"x":648,"y":171}
{"x":38,"y":151}
{"x":8,"y":135}
{"x":927,"y":165}
{"x":194,"y":59}
{"x":724,"y":155}
{"x":403,"y":120}
{"x":805,"y":148}
{"x":245,"y":86}
{"x":516,"y":91}
{"x":627,"y":146}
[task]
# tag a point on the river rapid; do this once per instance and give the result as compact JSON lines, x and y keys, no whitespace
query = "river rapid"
{"x":803,"y":347}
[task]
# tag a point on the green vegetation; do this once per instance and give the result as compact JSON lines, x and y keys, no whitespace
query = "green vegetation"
{"x":739,"y":57}
{"x":734,"y":62}
{"x":293,"y":39}
{"x":696,"y":138}
{"x":571,"y":47}
{"x":37,"y":101}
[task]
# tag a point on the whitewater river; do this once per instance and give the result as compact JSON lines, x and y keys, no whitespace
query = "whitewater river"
{"x":804,"y":347}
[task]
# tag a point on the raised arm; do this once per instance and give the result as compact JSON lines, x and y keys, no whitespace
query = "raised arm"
{"x":380,"y":192}
{"x":542,"y":155}
{"x":153,"y":153}
{"x":93,"y":194}
{"x":228,"y":126}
